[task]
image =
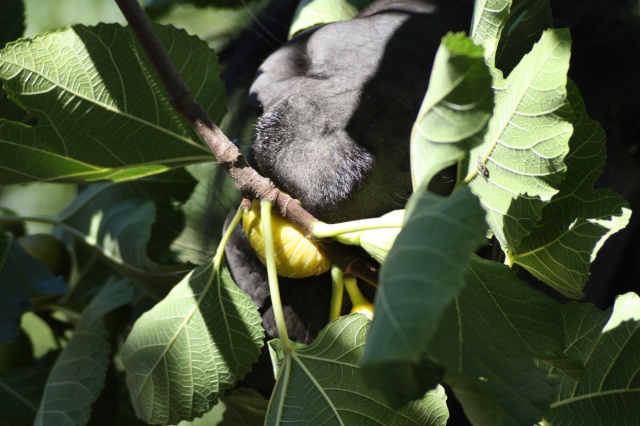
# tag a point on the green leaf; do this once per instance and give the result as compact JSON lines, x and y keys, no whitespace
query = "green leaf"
{"x":321,"y":384}
{"x":566,"y":365}
{"x":483,"y":345}
{"x":77,"y":378}
{"x":102,"y":111}
{"x":489,"y":18}
{"x":220,"y":27}
{"x":488,"y":340}
{"x":156,"y":8}
{"x":316,"y":12}
{"x":21,"y":391}
{"x":116,"y":219}
{"x":609,"y":392}
{"x":183,"y":354}
{"x":520,"y":164}
{"x":11,"y":21}
{"x":579,"y":219}
{"x":21,"y":277}
{"x":205,"y":211}
{"x":455,"y":111}
{"x":245,"y":406}
{"x":422,"y":276}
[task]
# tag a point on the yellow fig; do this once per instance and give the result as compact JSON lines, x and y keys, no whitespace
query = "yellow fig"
{"x":366,"y":310}
{"x":358,"y":301}
{"x":296,"y":256}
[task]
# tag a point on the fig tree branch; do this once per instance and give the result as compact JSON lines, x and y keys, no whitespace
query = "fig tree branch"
{"x":247,"y":180}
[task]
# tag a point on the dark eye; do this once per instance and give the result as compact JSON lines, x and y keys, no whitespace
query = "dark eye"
{"x":255,"y":104}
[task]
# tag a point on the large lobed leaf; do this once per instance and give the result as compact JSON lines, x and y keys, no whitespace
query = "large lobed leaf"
{"x":454,"y":114}
{"x":517,"y":168}
{"x":77,"y":378}
{"x":579,"y":219}
{"x":542,"y":155}
{"x":483,"y":346}
{"x":608,"y":343}
{"x":487,"y":343}
{"x":321,"y":384}
{"x":183,"y":354}
{"x":102,"y":111}
{"x":421,"y":277}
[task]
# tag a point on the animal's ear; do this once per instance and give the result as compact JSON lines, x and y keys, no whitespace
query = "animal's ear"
{"x":279,"y":71}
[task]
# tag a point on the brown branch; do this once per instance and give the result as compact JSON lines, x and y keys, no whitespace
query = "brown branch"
{"x":249,"y":182}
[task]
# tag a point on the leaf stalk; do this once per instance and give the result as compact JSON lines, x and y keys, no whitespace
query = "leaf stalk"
{"x":274,"y":288}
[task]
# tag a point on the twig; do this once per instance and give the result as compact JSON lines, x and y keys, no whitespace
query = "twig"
{"x":248,"y":181}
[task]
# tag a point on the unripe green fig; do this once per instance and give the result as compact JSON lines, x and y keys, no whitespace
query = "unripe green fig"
{"x":48,"y":250}
{"x":296,"y":256}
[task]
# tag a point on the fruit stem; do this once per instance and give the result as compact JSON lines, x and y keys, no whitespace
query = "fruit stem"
{"x":509,"y":259}
{"x":356,"y":296}
{"x":217,"y":259}
{"x":337,"y":291}
{"x":274,"y":289}
{"x":328,"y":230}
{"x":37,"y":219}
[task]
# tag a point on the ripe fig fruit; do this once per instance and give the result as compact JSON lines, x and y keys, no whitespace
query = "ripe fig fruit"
{"x":296,"y":256}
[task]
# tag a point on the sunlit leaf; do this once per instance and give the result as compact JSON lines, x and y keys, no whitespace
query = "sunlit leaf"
{"x":455,"y":111}
{"x":489,"y":18}
{"x":316,"y":12}
{"x":160,"y":7}
{"x":102,"y":111}
{"x":608,"y":343}
{"x":183,"y":354}
{"x":321,"y":384}
{"x":519,"y":165}
{"x":78,"y":375}
{"x":579,"y":219}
